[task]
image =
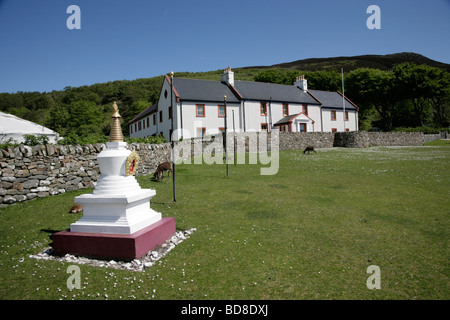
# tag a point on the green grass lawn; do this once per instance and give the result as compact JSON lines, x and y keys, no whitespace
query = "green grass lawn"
{"x":308,"y":232}
{"x":438,"y":143}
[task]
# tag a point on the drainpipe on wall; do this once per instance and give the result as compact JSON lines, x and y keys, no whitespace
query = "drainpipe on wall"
{"x":321,"y":120}
{"x":157,"y":120}
{"x":243,"y":113}
{"x":270,"y":114}
{"x":181,"y":118}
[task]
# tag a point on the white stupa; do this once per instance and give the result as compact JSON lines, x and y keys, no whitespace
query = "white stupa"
{"x":118,"y":205}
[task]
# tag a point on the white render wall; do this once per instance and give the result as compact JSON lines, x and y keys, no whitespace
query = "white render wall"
{"x":211,"y":121}
{"x":338,"y":124}
{"x":163,"y":106}
{"x":145,"y":130}
{"x":252,"y":116}
{"x":254,"y":119}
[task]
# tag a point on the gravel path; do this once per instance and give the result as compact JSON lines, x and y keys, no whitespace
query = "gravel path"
{"x":136,"y":265}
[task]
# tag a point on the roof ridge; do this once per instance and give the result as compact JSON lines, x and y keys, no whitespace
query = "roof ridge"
{"x":137,"y":116}
{"x":260,"y":82}
{"x":197,"y":79}
{"x":346,"y":98}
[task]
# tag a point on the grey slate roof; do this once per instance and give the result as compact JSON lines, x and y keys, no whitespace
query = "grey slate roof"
{"x":331,"y":99}
{"x":286,"y":119}
{"x":214,"y":91}
{"x":147,"y":111}
{"x":270,"y":91}
{"x":203,"y":90}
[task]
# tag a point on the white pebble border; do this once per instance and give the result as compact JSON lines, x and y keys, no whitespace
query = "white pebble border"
{"x":135,"y":265}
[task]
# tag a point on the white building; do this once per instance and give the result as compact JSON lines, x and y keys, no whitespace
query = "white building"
{"x":199,"y":108}
{"x":16,"y":128}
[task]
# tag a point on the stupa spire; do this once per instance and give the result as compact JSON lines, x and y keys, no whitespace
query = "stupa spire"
{"x":116,"y":129}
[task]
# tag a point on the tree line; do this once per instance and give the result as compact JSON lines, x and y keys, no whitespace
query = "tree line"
{"x":408,"y":96}
{"x":83,"y":114}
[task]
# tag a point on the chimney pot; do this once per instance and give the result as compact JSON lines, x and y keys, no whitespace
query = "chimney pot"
{"x":228,"y":76}
{"x":301,"y":82}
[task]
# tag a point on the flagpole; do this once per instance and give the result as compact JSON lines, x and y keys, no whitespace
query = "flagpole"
{"x":226,"y":129}
{"x":343,"y":96}
{"x":234,"y":140}
{"x":173,"y":142}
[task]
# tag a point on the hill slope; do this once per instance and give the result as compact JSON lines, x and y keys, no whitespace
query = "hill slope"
{"x":382,"y":62}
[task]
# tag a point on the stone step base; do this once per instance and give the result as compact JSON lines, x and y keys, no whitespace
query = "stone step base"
{"x":114,"y":246}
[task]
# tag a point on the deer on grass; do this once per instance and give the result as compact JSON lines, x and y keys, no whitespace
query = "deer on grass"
{"x":76,"y":209}
{"x":159,"y":173}
{"x":309,"y":149}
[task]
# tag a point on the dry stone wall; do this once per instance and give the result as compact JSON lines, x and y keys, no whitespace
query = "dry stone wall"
{"x":364,"y":139}
{"x":151,"y":155}
{"x":298,"y":140}
{"x":40,"y":171}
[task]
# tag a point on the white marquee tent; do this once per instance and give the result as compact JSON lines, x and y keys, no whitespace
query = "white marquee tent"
{"x":15,"y":127}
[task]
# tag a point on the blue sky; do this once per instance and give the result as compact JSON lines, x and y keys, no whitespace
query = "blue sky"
{"x":144,"y":38}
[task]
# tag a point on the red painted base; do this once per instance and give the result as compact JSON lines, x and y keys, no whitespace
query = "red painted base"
{"x":114,"y":246}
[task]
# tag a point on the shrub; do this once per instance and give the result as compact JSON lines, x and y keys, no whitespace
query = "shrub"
{"x":151,"y":139}
{"x":8,"y":143}
{"x":32,"y":140}
{"x":426,"y":130}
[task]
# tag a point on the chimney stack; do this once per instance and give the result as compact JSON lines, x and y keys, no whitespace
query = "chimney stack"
{"x":228,"y":76}
{"x":301,"y":82}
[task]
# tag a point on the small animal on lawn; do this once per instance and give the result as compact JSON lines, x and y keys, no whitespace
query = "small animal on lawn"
{"x":76,"y":209}
{"x":309,"y":149}
{"x":159,"y":173}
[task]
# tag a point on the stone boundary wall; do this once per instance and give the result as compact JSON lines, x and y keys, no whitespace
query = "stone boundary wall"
{"x":437,"y":136}
{"x":299,"y":141}
{"x":151,"y":155}
{"x":431,"y":137}
{"x":40,"y":171}
{"x":364,"y":139}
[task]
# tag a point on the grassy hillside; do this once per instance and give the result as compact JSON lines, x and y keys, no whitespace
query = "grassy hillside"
{"x":382,"y":62}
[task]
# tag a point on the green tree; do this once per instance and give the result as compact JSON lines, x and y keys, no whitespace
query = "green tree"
{"x":10,"y":102}
{"x":426,"y":87}
{"x":373,"y":88}
{"x":412,"y":83}
{"x":58,"y":120}
{"x":440,"y":101}
{"x":85,"y":118}
{"x":329,"y":80}
{"x":280,"y":76}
